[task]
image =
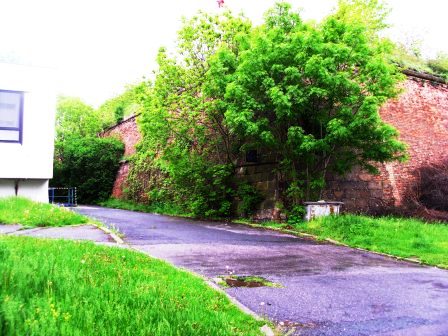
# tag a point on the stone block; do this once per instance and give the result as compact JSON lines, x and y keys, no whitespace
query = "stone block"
{"x":375,"y":185}
{"x":365,"y":177}
{"x":376,"y":193}
{"x":262,"y":186}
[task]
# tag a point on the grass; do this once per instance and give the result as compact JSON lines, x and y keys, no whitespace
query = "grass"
{"x":56,"y":287}
{"x":402,"y":237}
{"x":158,"y":208}
{"x":18,"y":210}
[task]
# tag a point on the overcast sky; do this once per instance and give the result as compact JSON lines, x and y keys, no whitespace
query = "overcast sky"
{"x":99,"y":46}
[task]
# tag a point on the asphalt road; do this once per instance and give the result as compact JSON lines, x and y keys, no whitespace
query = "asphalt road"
{"x":327,"y":289}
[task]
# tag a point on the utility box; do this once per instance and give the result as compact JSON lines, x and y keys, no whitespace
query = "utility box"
{"x":321,"y":208}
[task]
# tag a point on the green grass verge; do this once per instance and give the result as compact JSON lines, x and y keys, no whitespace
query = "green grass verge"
{"x":401,"y":237}
{"x":159,"y":208}
{"x":18,"y":210}
{"x":56,"y":287}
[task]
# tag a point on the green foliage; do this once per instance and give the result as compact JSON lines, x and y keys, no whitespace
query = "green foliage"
{"x":372,"y":14}
{"x":309,"y":93}
{"x":124,"y":105}
{"x":296,"y":215}
{"x":248,"y":198}
{"x":18,"y":210}
{"x":409,"y":56}
{"x":82,"y":159}
{"x":55,"y":287}
{"x":73,"y":117}
{"x":440,"y":64}
{"x":90,"y":164}
{"x":186,"y":153}
{"x":119,"y":113}
{"x":198,"y":187}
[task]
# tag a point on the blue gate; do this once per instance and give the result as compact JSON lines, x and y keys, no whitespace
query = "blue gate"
{"x":63,"y":196}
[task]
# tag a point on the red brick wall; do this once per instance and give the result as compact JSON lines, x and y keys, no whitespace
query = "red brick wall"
{"x":420,"y":114}
{"x":120,"y":180}
{"x":127,"y":131}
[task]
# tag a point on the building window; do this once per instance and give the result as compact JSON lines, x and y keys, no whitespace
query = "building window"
{"x":11,"y":116}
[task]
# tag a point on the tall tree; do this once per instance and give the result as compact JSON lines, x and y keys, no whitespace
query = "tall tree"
{"x":184,"y":135}
{"x":75,"y":118}
{"x":311,"y":94}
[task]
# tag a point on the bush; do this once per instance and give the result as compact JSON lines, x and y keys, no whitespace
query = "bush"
{"x":90,"y":164}
{"x":248,"y":199}
{"x":203,"y":187}
{"x":199,"y":187}
{"x":440,"y":64}
{"x":296,"y":215}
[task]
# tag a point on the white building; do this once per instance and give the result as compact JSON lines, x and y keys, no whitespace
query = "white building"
{"x":27,"y":120}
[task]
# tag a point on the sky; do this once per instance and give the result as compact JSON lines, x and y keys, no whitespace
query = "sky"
{"x":99,"y":46}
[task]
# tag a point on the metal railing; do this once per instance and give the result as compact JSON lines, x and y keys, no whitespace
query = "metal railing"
{"x":63,"y":196}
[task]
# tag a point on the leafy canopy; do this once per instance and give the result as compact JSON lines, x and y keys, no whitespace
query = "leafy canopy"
{"x":311,"y":94}
{"x":75,"y":118}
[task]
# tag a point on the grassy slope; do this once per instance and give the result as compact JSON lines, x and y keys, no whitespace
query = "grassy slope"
{"x":18,"y":210}
{"x":402,"y":237}
{"x":71,"y":288}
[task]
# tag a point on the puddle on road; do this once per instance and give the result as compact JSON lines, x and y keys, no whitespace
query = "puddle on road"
{"x":245,"y":281}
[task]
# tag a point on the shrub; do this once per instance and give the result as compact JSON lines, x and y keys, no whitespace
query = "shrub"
{"x":90,"y":164}
{"x":296,"y":215}
{"x":248,"y":199}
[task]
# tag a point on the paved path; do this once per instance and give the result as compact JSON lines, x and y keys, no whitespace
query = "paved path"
{"x":327,"y":289}
{"x":81,"y":232}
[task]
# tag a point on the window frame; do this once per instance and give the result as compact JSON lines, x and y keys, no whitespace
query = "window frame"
{"x":20,"y":128}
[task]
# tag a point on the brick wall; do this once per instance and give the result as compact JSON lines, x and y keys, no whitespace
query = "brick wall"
{"x":420,"y":114}
{"x":127,"y":131}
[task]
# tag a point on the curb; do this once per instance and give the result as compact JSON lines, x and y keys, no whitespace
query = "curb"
{"x":265,"y":329}
{"x":117,"y":239}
